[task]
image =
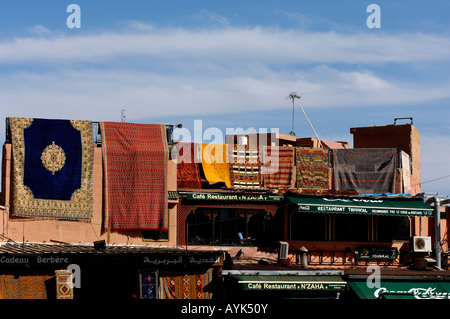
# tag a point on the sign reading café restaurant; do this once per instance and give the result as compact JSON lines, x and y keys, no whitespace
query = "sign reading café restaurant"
{"x":305,"y":283}
{"x":233,"y":197}
{"x":293,"y":286}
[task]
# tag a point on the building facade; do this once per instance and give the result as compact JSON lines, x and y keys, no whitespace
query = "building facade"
{"x":231,"y":216}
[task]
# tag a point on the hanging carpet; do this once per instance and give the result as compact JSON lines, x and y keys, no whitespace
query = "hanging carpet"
{"x":215,"y":163}
{"x":245,"y":166}
{"x":135,"y":164}
{"x":366,"y":170}
{"x":190,"y":285}
{"x":312,"y":167}
{"x":188,"y":174}
{"x":53,"y":168}
{"x":278,"y":166}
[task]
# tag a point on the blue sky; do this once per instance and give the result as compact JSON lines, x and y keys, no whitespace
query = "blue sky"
{"x":231,"y":64}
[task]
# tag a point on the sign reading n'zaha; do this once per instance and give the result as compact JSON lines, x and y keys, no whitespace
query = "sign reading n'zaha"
{"x":293,"y":286}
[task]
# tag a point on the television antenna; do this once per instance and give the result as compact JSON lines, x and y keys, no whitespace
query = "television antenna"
{"x":292,"y":96}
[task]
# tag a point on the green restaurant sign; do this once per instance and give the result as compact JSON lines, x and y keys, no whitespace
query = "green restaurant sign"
{"x":292,"y":286}
{"x":418,"y":290}
{"x":378,"y":253}
{"x":234,"y":197}
{"x":358,"y":205}
{"x":291,"y":283}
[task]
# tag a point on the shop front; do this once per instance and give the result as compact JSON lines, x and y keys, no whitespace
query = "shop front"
{"x":38,"y":271}
{"x":353,"y":218}
{"x":357,"y":229}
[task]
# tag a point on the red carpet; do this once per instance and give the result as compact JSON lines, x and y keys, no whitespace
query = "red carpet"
{"x":135,"y":163}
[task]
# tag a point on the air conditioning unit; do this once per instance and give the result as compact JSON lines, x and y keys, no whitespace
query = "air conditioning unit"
{"x":283,"y":250}
{"x":421,"y":244}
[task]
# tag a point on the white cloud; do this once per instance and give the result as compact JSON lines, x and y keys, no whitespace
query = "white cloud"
{"x":309,"y":21}
{"x":233,"y":45}
{"x":39,"y":30}
{"x":138,"y":25}
{"x":211,"y":17}
{"x":103,"y":93}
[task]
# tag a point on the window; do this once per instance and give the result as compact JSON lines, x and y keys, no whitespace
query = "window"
{"x":229,"y":226}
{"x":348,"y":227}
{"x":306,"y":226}
{"x":155,"y":235}
{"x":389,"y":228}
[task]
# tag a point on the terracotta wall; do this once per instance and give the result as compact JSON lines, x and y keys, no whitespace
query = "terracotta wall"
{"x":77,"y":232}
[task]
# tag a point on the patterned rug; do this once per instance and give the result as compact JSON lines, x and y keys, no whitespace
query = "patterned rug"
{"x":188,"y":174}
{"x":135,"y":163}
{"x":53,"y":168}
{"x":148,"y":284}
{"x":186,"y":285}
{"x":25,"y":286}
{"x":366,"y":170}
{"x":64,"y":284}
{"x":312,"y":167}
{"x":278,"y":166}
{"x":215,"y":163}
{"x":245,"y":165}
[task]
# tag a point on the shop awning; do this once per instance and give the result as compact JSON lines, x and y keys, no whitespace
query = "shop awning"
{"x":362,"y":205}
{"x":291,"y":283}
{"x":402,"y":290}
